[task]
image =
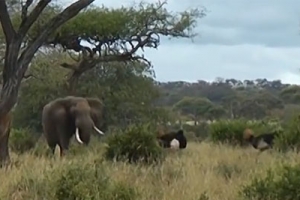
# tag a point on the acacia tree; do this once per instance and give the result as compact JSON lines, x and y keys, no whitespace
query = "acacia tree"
{"x":109,"y":35}
{"x":194,"y":106}
{"x":19,"y":53}
{"x":118,"y":34}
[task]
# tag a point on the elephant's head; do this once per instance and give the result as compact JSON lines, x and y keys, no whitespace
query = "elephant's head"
{"x":86,"y":113}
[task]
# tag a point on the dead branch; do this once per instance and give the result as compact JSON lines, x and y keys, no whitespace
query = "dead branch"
{"x":51,"y":26}
{"x":6,"y":23}
{"x":28,"y":76}
{"x":27,"y":21}
{"x":25,"y":9}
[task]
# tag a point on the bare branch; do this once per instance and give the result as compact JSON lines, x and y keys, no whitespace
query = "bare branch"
{"x":73,"y":66}
{"x":27,"y":21}
{"x":72,"y":57}
{"x":28,"y":76}
{"x":25,"y":9}
{"x":16,"y":65}
{"x":50,"y":27}
{"x":6,"y":24}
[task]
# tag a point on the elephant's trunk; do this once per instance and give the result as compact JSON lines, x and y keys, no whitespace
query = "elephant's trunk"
{"x":77,"y":136}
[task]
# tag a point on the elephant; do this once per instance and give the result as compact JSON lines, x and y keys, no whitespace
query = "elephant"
{"x":64,"y":117}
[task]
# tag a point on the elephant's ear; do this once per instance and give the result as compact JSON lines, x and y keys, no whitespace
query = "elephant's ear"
{"x":96,"y":111}
{"x":95,"y":103}
{"x":96,"y":108}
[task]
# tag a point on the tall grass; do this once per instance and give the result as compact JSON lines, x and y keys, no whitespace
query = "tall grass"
{"x":202,"y":171}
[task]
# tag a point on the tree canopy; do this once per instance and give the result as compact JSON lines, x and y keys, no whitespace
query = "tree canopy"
{"x":250,"y":99}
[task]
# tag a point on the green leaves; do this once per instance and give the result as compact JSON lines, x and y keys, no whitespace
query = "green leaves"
{"x":135,"y":144}
{"x":281,"y":183}
{"x":123,"y":22}
{"x":199,"y":107}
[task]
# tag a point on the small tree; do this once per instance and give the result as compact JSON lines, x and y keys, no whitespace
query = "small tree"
{"x":195,"y":106}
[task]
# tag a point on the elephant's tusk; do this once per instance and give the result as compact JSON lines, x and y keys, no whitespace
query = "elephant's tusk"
{"x":77,"y":136}
{"x":100,"y":132}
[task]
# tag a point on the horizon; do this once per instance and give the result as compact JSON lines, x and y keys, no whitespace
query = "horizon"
{"x":211,"y":81}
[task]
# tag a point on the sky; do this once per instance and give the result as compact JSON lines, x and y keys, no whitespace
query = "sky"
{"x":239,"y":39}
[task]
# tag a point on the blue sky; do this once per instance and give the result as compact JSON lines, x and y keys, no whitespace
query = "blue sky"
{"x":239,"y":39}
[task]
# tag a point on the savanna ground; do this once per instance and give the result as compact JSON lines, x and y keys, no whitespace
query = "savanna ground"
{"x":202,"y":171}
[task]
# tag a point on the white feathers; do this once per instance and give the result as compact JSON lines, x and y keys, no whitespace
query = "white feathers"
{"x":174,"y":144}
{"x":262,"y":145}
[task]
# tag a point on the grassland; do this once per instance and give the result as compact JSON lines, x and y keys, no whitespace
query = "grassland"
{"x":218,"y":171}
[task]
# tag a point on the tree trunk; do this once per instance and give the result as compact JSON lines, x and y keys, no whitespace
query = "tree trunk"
{"x":73,"y":83}
{"x":5,"y":126}
{"x":12,"y":76}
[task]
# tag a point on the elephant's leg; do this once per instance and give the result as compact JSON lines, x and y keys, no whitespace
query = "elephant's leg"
{"x":52,"y":148}
{"x":64,"y":142}
{"x":64,"y":132}
{"x":50,"y":134}
{"x":64,"y":147}
{"x":51,"y":141}
{"x":62,"y":151}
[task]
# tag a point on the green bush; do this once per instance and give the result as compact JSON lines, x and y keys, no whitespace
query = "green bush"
{"x":232,"y":131}
{"x":22,"y":140}
{"x":193,"y":132}
{"x":200,"y":130}
{"x":291,"y":137}
{"x":280,"y":184}
{"x":135,"y":143}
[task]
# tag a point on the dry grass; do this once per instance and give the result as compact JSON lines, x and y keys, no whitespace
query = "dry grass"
{"x":220,"y":171}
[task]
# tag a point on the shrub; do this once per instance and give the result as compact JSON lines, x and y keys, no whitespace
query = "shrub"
{"x":22,"y":140}
{"x":291,"y":137}
{"x":277,"y":185}
{"x":232,"y":131}
{"x":135,"y":143}
{"x":200,"y":130}
{"x":197,"y":132}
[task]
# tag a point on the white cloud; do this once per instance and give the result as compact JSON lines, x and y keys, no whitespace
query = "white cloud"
{"x":194,"y":62}
{"x":292,"y":78}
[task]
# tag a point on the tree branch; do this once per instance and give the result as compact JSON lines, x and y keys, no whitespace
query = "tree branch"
{"x":15,"y":67}
{"x":49,"y":28}
{"x":6,"y":24}
{"x":25,"y":9}
{"x":27,"y":21}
